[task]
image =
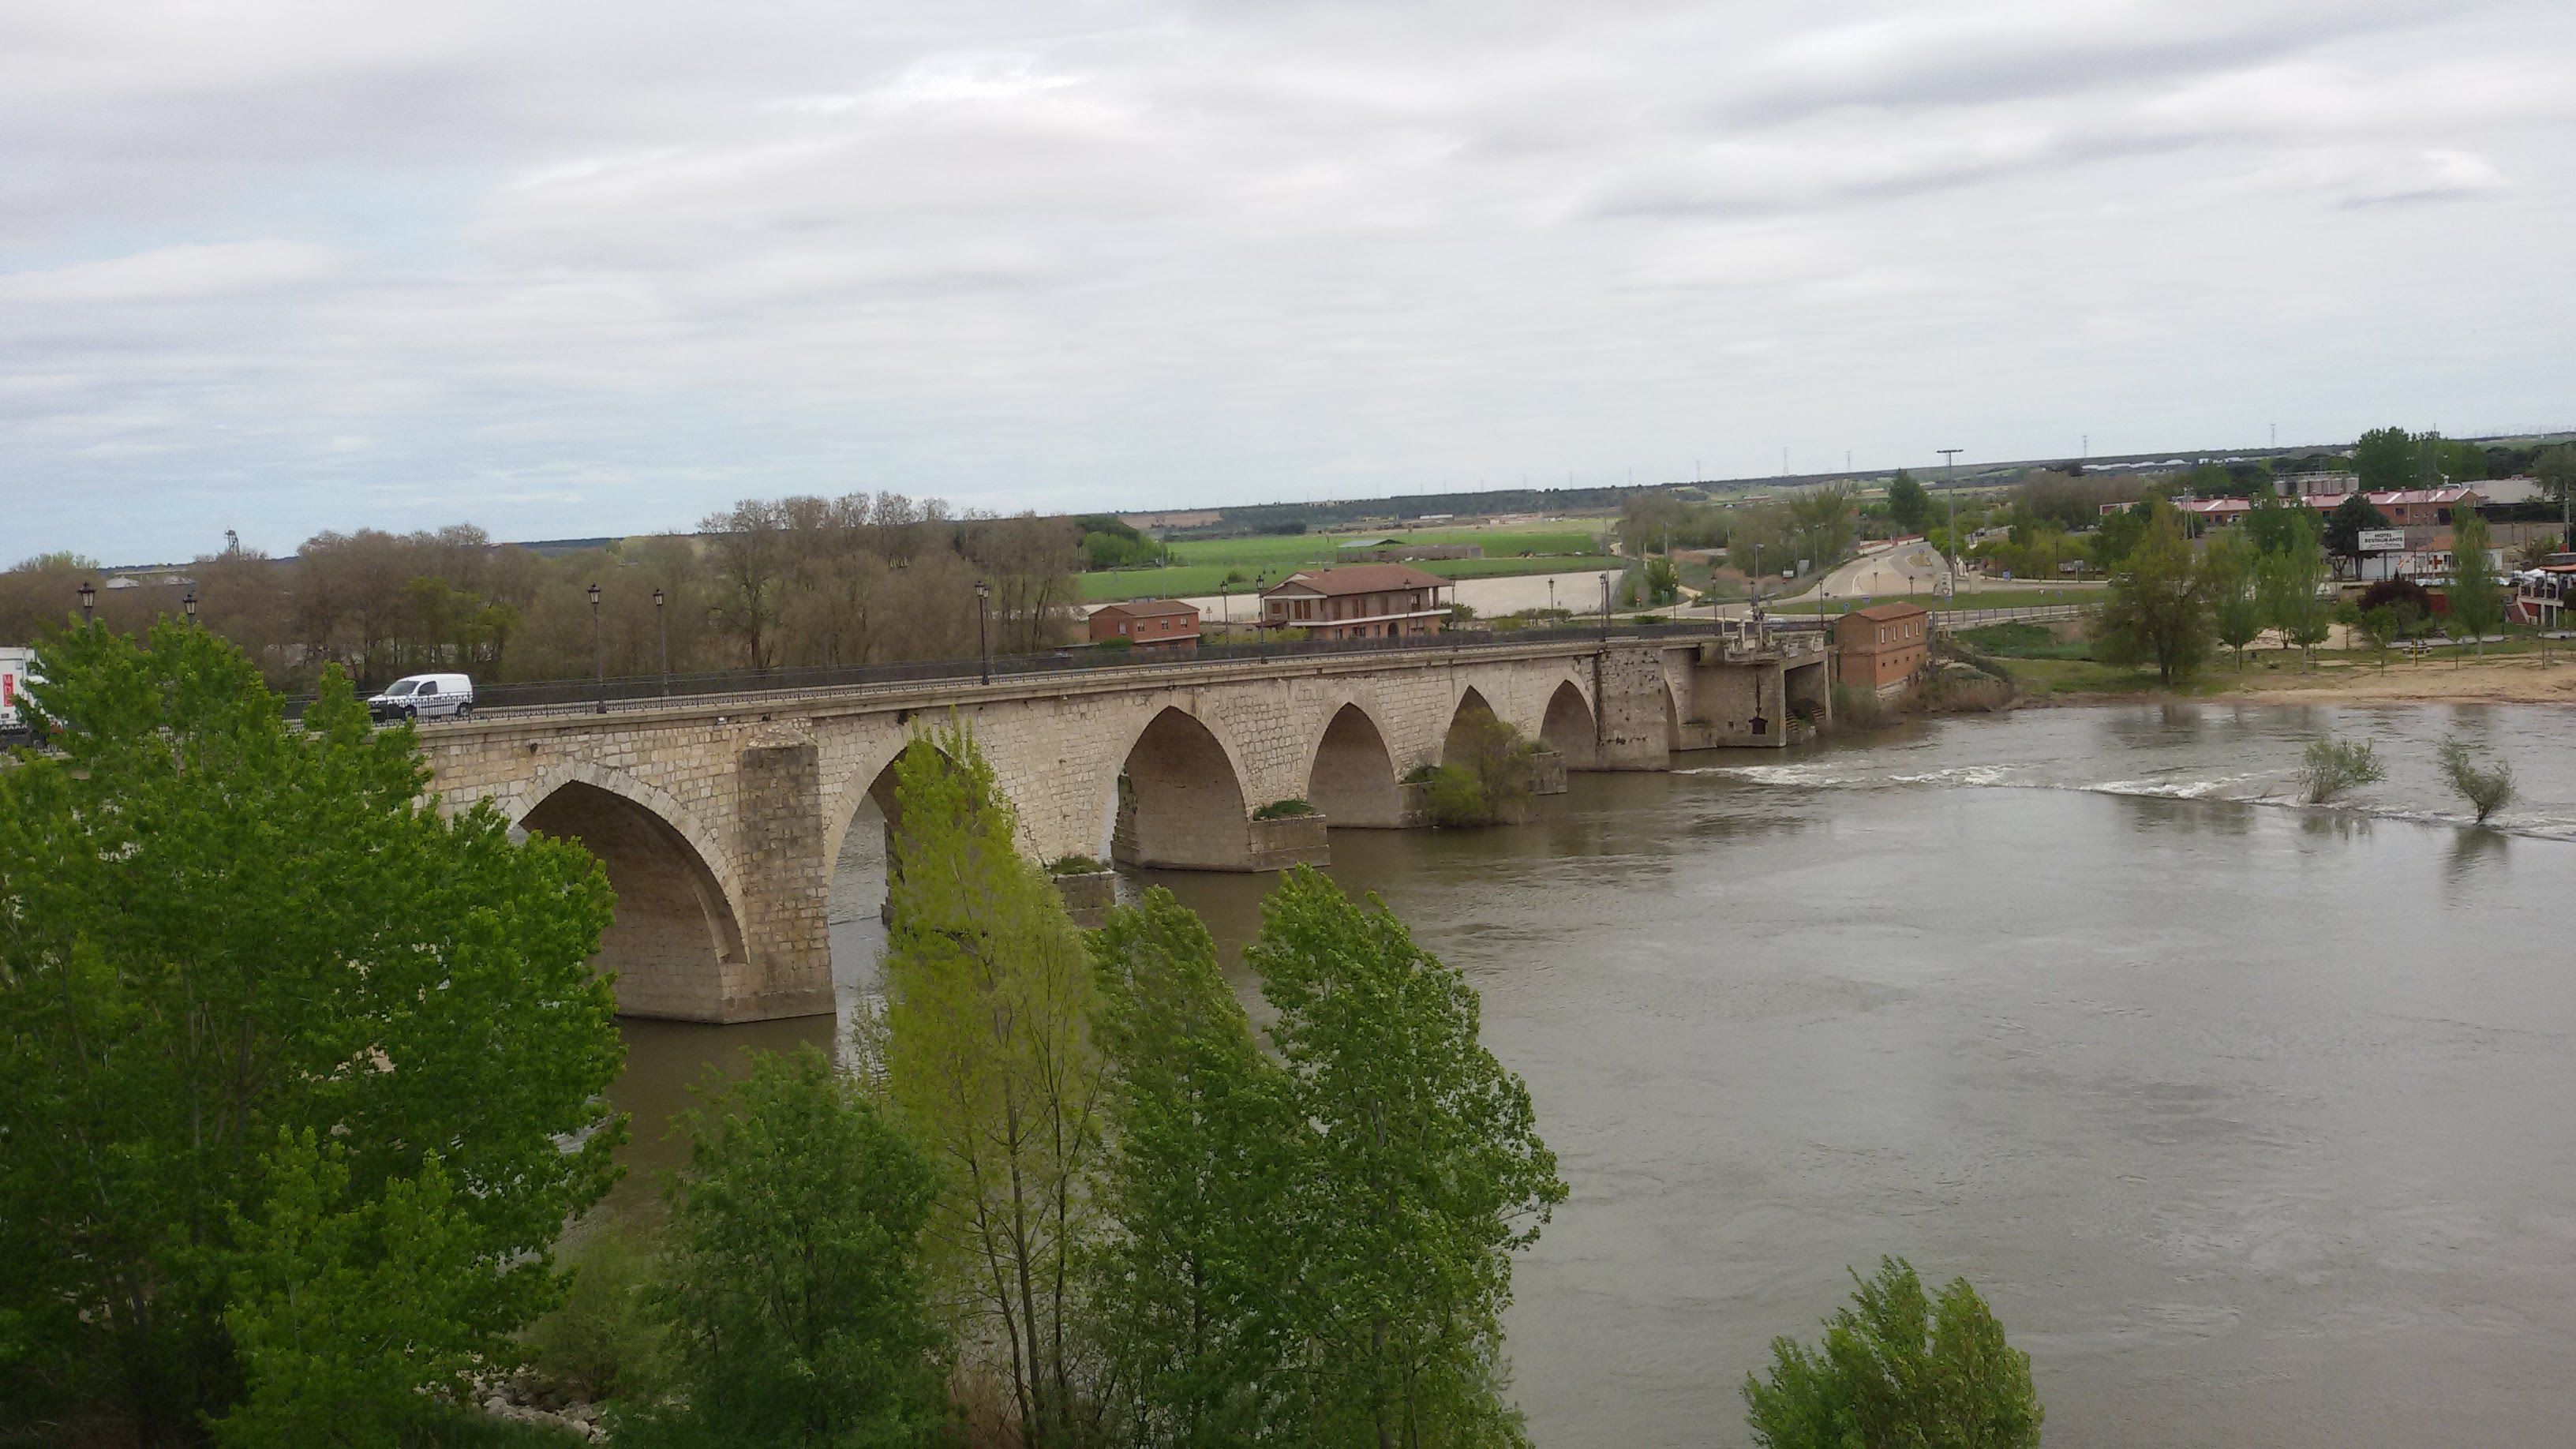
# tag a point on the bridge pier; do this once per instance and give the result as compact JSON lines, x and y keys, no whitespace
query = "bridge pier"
{"x":786,"y":886}
{"x":1637,"y":718}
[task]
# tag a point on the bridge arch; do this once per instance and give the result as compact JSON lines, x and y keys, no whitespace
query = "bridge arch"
{"x":1352,"y":777}
{"x":1569,"y":728}
{"x":1179,"y":798}
{"x":676,"y":936}
{"x":1472,"y":710}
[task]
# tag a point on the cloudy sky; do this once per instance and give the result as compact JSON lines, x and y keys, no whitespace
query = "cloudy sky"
{"x":581,"y":268}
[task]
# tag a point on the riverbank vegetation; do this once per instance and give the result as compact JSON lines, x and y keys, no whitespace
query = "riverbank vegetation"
{"x":2487,"y":788}
{"x":2330,"y":767}
{"x":767,"y":583}
{"x":1898,"y":1367}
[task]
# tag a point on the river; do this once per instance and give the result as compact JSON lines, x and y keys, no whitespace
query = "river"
{"x":2255,"y":1123}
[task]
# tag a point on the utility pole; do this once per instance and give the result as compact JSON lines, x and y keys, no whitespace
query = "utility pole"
{"x":599,"y":647}
{"x":983,"y":640}
{"x":1950,"y":485}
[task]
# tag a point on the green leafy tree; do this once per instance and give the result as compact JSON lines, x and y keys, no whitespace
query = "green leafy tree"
{"x":2228,"y":563}
{"x":988,"y":1053}
{"x":2157,"y":609}
{"x":1419,"y":1172}
{"x":2477,"y":600}
{"x":1663,"y":583}
{"x":222,"y":927}
{"x":2387,"y":458}
{"x":1822,"y":519}
{"x":2556,"y":470}
{"x":1188,"y":1296}
{"x":2380,"y":626}
{"x":2486,"y":788}
{"x":793,"y":1270}
{"x":2274,"y":524}
{"x":2345,"y":524}
{"x":1908,"y":502}
{"x":1899,"y":1368}
{"x":1489,"y":778}
{"x":2288,"y":583}
{"x":355,"y":1316}
{"x":2119,"y":533}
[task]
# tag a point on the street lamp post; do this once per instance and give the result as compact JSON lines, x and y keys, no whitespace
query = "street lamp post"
{"x":89,"y":601}
{"x":662,"y":633}
{"x":983,"y":641}
{"x":190,"y":604}
{"x":1551,"y":598}
{"x":1605,"y":608}
{"x":599,"y":648}
{"x":1950,"y":485}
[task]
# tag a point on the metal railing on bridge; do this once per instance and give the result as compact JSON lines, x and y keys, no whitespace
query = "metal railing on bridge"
{"x":592,"y":696}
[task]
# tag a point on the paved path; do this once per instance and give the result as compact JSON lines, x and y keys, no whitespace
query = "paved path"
{"x":1577,"y":591}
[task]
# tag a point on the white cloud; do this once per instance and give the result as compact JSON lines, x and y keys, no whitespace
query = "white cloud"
{"x":173,"y":274}
{"x":591,"y":267}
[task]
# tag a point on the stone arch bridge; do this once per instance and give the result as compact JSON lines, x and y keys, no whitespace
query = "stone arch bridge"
{"x":719,"y":821}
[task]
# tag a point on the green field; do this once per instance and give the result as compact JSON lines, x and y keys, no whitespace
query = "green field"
{"x":1205,"y":562}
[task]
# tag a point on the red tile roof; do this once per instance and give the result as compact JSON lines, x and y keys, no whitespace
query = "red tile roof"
{"x":1358,"y":579}
{"x":1887,"y":613}
{"x":1148,"y":608}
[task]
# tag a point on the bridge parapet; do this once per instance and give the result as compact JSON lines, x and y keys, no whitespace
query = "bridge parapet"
{"x":721,"y":820}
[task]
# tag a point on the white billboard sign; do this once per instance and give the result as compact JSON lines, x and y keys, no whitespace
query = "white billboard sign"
{"x":2383,"y":540}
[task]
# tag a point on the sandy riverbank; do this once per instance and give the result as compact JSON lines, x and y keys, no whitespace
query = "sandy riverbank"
{"x":2505,"y":679}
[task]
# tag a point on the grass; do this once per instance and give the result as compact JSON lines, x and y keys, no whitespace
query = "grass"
{"x":1976,"y":599}
{"x":2042,"y":677}
{"x":1183,"y":581}
{"x":1302,"y":549}
{"x":2023,"y":641}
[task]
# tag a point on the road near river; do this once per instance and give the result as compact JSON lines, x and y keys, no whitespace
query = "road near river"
{"x":2256,"y":1123}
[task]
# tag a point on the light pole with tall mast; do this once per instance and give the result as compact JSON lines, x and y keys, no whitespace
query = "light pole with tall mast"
{"x":1950,"y":485}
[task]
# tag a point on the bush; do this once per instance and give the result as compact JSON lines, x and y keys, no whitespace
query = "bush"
{"x":1898,"y":1367}
{"x":1421,"y":774}
{"x":793,"y":1270}
{"x":1490,"y":780}
{"x":2397,"y":594}
{"x":1074,"y":865}
{"x":2488,"y":789}
{"x":1283,"y":810}
{"x":1858,"y":708}
{"x":604,"y":1341}
{"x":2333,"y":766}
{"x":1113,"y":645}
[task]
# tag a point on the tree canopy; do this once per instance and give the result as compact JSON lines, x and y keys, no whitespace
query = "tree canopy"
{"x":1899,"y":1367}
{"x":229,"y":939}
{"x":2157,"y":610}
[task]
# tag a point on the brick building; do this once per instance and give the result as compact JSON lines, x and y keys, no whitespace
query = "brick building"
{"x":1882,"y":648}
{"x":1365,"y":601}
{"x":1148,"y":624}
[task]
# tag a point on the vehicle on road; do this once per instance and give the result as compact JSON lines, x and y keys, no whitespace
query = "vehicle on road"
{"x":17,"y":671}
{"x":423,"y":696}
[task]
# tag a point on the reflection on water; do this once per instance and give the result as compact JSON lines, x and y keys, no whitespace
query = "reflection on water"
{"x":2250,"y":1118}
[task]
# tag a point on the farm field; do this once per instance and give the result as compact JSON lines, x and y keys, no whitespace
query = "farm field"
{"x":1205,"y":562}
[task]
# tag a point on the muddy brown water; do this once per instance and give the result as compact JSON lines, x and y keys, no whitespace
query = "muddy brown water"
{"x":2255,"y":1123}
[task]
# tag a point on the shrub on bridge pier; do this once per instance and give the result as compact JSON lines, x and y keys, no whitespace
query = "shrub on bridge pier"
{"x":1490,"y":778}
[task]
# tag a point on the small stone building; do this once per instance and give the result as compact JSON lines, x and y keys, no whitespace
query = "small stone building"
{"x":1164,"y":624}
{"x":1883,"y":648}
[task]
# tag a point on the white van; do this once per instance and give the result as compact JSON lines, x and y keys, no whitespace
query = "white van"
{"x":424,"y":696}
